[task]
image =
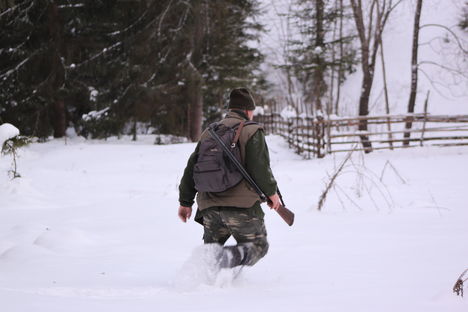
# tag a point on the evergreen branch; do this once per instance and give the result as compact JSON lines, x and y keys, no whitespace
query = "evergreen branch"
{"x":66,"y":6}
{"x":162,"y":17}
{"x":183,"y":19}
{"x":97,"y":55}
{"x":118,"y":32}
{"x":10,"y":10}
{"x":7,"y":73}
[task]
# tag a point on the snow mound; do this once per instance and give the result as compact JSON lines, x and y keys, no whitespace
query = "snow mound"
{"x":7,"y":131}
{"x":25,"y":241}
{"x":288,"y":112}
{"x":63,"y":240}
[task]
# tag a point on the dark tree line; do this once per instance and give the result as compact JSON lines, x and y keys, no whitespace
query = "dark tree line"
{"x":107,"y":67}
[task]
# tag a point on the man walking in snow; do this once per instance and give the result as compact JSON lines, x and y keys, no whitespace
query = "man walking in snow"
{"x":235,"y":211}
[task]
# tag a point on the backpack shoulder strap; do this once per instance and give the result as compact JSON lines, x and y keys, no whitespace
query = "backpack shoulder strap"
{"x":238,"y":133}
{"x":251,"y":122}
{"x":239,"y":127}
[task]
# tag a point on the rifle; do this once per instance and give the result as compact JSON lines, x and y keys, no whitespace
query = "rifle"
{"x":285,"y":213}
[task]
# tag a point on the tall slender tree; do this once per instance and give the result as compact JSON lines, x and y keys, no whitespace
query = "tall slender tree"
{"x":414,"y":71}
{"x":370,"y":35}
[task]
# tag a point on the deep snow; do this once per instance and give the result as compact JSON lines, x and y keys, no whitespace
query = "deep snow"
{"x":92,"y":226}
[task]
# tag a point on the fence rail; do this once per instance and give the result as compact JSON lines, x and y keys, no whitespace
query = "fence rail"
{"x":316,"y":136}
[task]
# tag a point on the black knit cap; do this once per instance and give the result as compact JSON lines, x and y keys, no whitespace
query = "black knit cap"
{"x":241,"y":98}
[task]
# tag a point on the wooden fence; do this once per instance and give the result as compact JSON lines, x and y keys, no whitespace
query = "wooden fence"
{"x":316,"y":136}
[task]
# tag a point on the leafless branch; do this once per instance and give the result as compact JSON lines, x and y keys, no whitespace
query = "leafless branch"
{"x":458,"y":287}
{"x":332,"y":180}
{"x":457,"y":39}
{"x":339,"y":197}
{"x":436,"y":84}
{"x":435,"y":203}
{"x":348,"y":197}
{"x":389,"y":164}
{"x":459,"y":72}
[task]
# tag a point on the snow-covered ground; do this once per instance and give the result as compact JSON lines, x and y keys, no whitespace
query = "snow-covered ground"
{"x":92,"y":226}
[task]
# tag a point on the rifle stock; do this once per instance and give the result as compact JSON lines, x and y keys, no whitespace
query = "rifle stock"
{"x":286,"y":214}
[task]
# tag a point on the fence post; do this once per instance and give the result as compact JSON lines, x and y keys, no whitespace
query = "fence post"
{"x":425,"y":118}
{"x":272,"y":129}
{"x":328,"y":127}
{"x":308,"y":137}
{"x":314,"y":136}
{"x":298,"y":146}
{"x":320,"y":136}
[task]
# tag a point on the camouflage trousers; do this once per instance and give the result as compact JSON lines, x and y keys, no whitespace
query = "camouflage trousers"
{"x":247,"y":227}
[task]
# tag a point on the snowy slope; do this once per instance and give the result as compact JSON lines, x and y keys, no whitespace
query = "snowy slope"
{"x":92,"y":226}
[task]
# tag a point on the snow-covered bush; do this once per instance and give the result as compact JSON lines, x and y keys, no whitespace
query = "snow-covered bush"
{"x":10,"y":141}
{"x":163,"y":139}
{"x":99,"y":124}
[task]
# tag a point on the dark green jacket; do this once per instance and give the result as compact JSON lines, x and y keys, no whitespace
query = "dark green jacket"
{"x":256,"y":160}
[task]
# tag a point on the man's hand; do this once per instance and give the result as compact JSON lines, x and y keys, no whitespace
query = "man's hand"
{"x":185,"y":213}
{"x":274,"y":202}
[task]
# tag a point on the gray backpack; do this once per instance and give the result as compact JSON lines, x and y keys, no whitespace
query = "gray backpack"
{"x":214,"y":171}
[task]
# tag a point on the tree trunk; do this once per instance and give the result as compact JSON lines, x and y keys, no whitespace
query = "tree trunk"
{"x":56,"y":76}
{"x":368,"y":74}
{"x":333,"y":67}
{"x":319,"y":84}
{"x":340,"y":66}
{"x":414,"y":72}
{"x":194,"y":77}
{"x":59,"y":118}
{"x":364,"y":110}
{"x":387,"y":101}
{"x":195,"y":100}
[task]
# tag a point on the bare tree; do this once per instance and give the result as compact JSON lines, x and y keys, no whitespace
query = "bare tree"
{"x":414,"y":72}
{"x":369,"y":36}
{"x":387,"y":101}
{"x":456,"y":68}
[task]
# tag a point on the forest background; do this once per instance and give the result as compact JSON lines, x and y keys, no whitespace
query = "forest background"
{"x":103,"y":68}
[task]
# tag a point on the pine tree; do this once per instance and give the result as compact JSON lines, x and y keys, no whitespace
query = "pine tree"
{"x":31,"y":67}
{"x":165,"y":63}
{"x":321,"y":51}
